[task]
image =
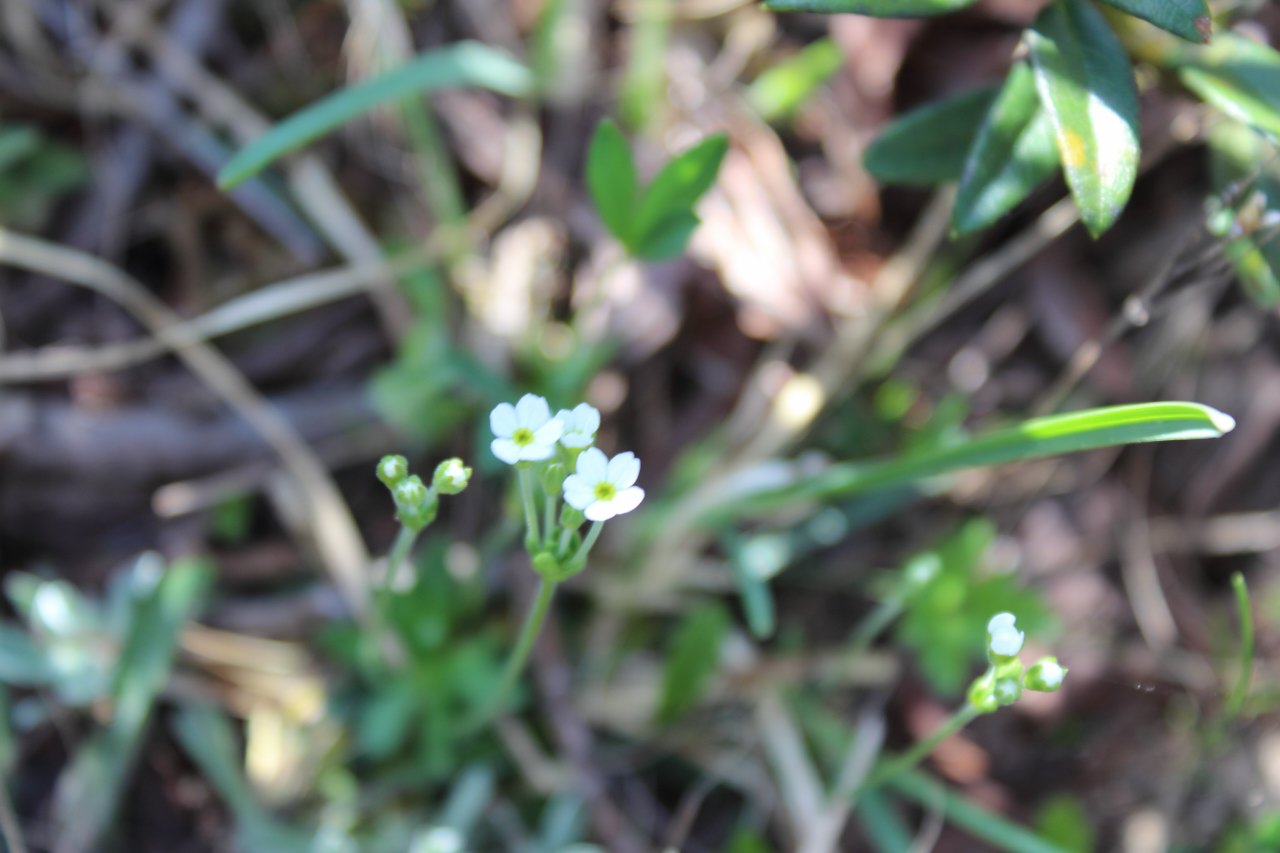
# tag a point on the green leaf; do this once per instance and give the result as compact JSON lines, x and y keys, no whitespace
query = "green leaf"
{"x":1033,"y":439}
{"x":874,"y":8}
{"x":1013,"y":154}
{"x":1245,"y":175}
{"x":928,"y":145}
{"x":1240,"y":77}
{"x":1063,"y":821}
{"x":611,"y":179}
{"x":667,"y":239}
{"x":1086,"y":84}
{"x":1187,"y":18}
{"x":90,"y":789}
{"x":462,"y":64}
{"x":784,"y":88}
{"x":692,"y":659}
{"x":22,"y":662}
{"x":675,"y":190}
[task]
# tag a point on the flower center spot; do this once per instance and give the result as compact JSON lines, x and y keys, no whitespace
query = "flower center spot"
{"x":523,"y":436}
{"x":604,"y":491}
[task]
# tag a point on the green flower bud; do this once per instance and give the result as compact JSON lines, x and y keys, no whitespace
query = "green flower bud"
{"x":982,"y":693}
{"x":570,"y":518}
{"x":1007,"y":690}
{"x":410,"y":493}
{"x":553,"y":479}
{"x":546,"y":564}
{"x":392,"y":469}
{"x":1046,"y":675}
{"x":451,"y":477}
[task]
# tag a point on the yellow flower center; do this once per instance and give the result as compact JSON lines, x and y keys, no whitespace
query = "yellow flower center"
{"x":604,"y":491}
{"x":522,"y":437}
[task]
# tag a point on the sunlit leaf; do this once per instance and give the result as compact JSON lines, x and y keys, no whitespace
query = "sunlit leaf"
{"x":1086,"y":84}
{"x":462,"y":64}
{"x":784,"y":88}
{"x":929,"y":144}
{"x":676,"y":189}
{"x":611,"y":179}
{"x":1240,"y":77}
{"x":1187,"y":18}
{"x":1013,"y":154}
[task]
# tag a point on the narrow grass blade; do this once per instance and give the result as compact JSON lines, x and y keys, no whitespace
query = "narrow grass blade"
{"x":999,"y":832}
{"x":1086,"y":84}
{"x":874,"y":8}
{"x":462,"y":64}
{"x":90,"y":789}
{"x":1235,"y":702}
{"x":1049,"y":436}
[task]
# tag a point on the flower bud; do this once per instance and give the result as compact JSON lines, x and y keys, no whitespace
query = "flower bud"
{"x":1046,"y":675}
{"x":392,"y":469}
{"x":570,"y":518}
{"x":553,"y":479}
{"x":982,"y":693}
{"x":1007,"y":690}
{"x":410,"y":493}
{"x":1003,"y":639}
{"x":451,"y":477}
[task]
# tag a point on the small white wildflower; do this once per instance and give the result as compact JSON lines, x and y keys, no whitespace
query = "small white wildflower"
{"x":525,"y":431}
{"x":604,"y":487}
{"x":1046,"y":675}
{"x":1003,"y":639}
{"x":580,"y":425}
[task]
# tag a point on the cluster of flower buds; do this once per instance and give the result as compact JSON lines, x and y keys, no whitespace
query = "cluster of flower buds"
{"x":1006,"y":677}
{"x":416,"y":502}
{"x":545,"y":448}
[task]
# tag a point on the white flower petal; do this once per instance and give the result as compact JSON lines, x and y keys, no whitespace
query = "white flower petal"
{"x":1001,"y":620}
{"x":502,"y":420}
{"x":624,"y":469}
{"x":576,"y":440}
{"x":578,"y":492}
{"x":548,"y":432}
{"x":600,"y":511}
{"x":537,"y":452}
{"x":506,"y":450}
{"x":627,"y":500}
{"x":1006,"y":642}
{"x":532,"y":411}
{"x":593,"y":465}
{"x":586,"y":418}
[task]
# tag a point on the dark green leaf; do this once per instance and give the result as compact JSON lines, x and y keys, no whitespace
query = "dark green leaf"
{"x":875,"y":8}
{"x":677,"y":188}
{"x":692,"y":659}
{"x":929,"y":144}
{"x":1086,"y":84}
{"x":1240,"y":77}
{"x":462,"y":64}
{"x":611,"y":179}
{"x":667,"y":239}
{"x":1013,"y":153}
{"x":1187,"y":18}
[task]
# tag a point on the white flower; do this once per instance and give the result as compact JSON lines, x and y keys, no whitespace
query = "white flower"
{"x":604,"y":487}
{"x":1046,"y":675}
{"x":525,"y":431}
{"x":580,"y":425}
{"x":1002,"y":638}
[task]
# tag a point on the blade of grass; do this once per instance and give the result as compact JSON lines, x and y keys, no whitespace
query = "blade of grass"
{"x":462,"y":64}
{"x":1032,"y":439}
{"x":997,"y":831}
{"x":89,"y":791}
{"x":1235,"y":701}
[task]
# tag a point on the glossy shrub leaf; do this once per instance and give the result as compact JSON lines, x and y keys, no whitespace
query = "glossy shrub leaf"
{"x":1032,"y":439}
{"x":784,"y":88}
{"x":461,"y":64}
{"x":664,"y":218}
{"x":874,"y":8}
{"x":1086,"y":84}
{"x":1186,"y":18}
{"x":692,"y":659}
{"x":1013,"y":154}
{"x":1240,"y":77}
{"x":611,"y":179}
{"x":928,"y":145}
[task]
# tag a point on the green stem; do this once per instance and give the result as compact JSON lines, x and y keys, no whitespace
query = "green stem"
{"x":875,"y":623}
{"x":405,"y":540}
{"x":896,"y":766}
{"x":530,"y":509}
{"x":524,"y":643}
{"x":592,"y":535}
{"x":549,"y":514}
{"x":1235,"y":702}
{"x":565,"y":537}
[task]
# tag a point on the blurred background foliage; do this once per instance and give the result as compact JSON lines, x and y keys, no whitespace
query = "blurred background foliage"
{"x":246,"y":248}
